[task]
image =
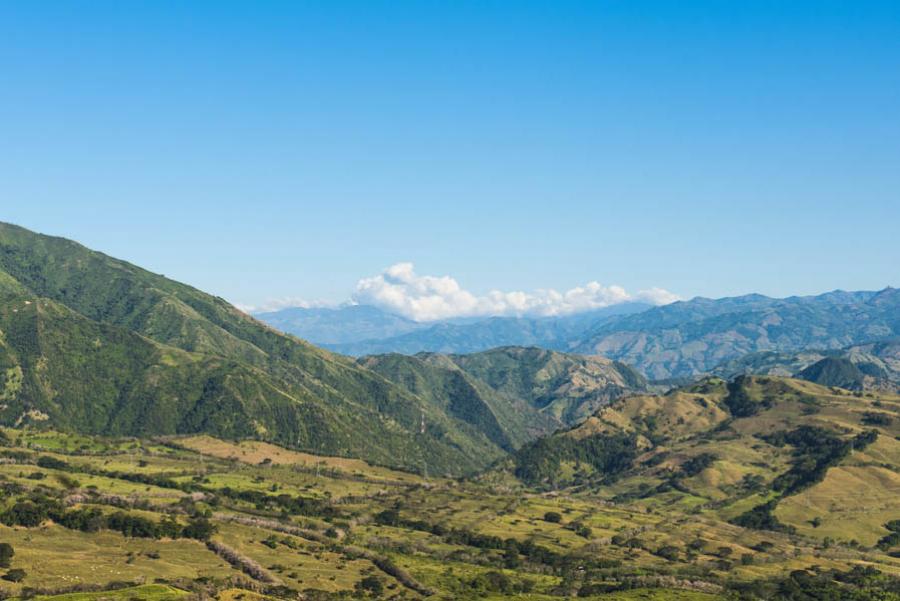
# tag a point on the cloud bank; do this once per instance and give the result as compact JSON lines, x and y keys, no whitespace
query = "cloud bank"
{"x":289,"y":302}
{"x":399,"y":289}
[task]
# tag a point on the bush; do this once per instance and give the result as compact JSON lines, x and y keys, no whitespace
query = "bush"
{"x":52,"y":463}
{"x":697,"y":464}
{"x":874,"y":418}
{"x":15,"y":575}
{"x":553,"y":517}
{"x":199,"y":528}
{"x":6,"y":554}
{"x":739,"y":402}
{"x":371,"y":585}
{"x":388,"y":517}
{"x":25,"y":513}
{"x":669,"y":552}
{"x":133,"y":525}
{"x":761,"y":518}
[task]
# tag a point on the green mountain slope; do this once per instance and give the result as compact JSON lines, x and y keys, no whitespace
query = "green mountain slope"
{"x":761,"y":452}
{"x":835,"y":371}
{"x":564,"y":386}
{"x":461,"y":397}
{"x":94,"y":344}
{"x":516,"y":393}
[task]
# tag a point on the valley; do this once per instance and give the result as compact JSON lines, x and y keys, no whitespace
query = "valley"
{"x":159,"y":444}
{"x":165,"y":517}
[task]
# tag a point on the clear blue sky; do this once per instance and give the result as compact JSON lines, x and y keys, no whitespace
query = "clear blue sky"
{"x":269,"y":149}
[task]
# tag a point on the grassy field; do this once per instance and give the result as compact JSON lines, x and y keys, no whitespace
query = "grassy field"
{"x":285,"y":523}
{"x":146,"y":592}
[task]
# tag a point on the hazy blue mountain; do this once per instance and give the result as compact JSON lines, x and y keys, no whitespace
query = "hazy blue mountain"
{"x":872,"y":366}
{"x":680,"y":340}
{"x":474,"y":336}
{"x":694,"y":337}
{"x":339,"y":325}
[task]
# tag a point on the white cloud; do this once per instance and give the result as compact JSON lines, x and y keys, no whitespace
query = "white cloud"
{"x":283,"y":303}
{"x":401,"y":290}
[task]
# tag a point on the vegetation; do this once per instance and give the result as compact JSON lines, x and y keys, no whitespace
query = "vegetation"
{"x":133,"y":353}
{"x":755,"y":488}
{"x":542,"y":460}
{"x":668,"y":497}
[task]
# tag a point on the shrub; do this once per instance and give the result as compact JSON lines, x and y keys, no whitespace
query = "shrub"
{"x":669,"y":552}
{"x":15,"y":575}
{"x":6,"y":554}
{"x":199,"y":528}
{"x":553,"y":517}
{"x":371,"y":585}
{"x":697,"y":464}
{"x":388,"y":517}
{"x":874,"y":418}
{"x":761,"y":518}
{"x":25,"y":513}
{"x":52,"y":463}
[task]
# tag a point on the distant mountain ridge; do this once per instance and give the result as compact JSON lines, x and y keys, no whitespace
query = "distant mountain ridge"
{"x":872,"y":366}
{"x":339,"y":325}
{"x":694,"y":337}
{"x":469,"y":335}
{"x":680,"y":340}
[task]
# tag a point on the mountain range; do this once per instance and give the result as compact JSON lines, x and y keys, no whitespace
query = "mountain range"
{"x":873,"y":366}
{"x":351,"y":329}
{"x":135,"y":407}
{"x":680,"y":340}
{"x":345,"y":325}
{"x":92,"y":344}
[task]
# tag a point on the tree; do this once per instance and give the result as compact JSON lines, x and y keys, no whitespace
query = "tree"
{"x":199,"y":528}
{"x":371,"y":585}
{"x":669,"y":552}
{"x":6,"y":554}
{"x":15,"y":575}
{"x":553,"y":517}
{"x":388,"y":517}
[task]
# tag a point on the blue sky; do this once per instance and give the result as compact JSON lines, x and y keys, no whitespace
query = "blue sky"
{"x":287,"y":149}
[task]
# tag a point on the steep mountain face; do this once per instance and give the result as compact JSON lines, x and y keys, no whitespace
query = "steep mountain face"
{"x":873,"y":366}
{"x":564,"y":386}
{"x":508,"y":422}
{"x":689,"y":338}
{"x":835,"y":371}
{"x":339,"y":326}
{"x":472,"y":337}
{"x":761,"y":452}
{"x":516,"y":393}
{"x":93,"y":344}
